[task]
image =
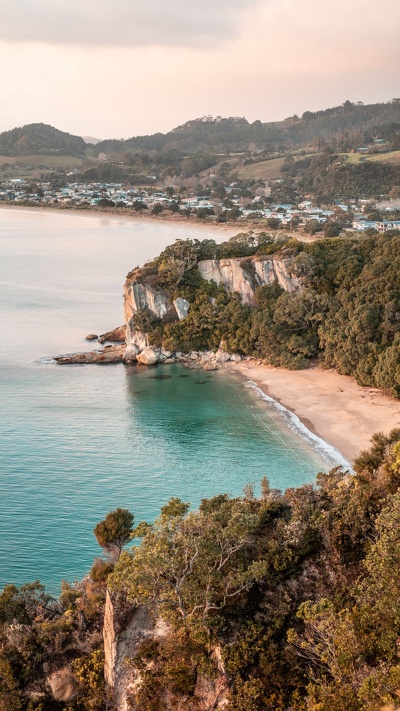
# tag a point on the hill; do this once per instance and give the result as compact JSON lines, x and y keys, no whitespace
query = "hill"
{"x":40,"y":139}
{"x":345,"y":123}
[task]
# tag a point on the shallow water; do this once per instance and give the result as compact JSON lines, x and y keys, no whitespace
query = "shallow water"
{"x":78,"y":441}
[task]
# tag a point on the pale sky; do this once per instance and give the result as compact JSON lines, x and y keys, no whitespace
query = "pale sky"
{"x":115,"y":69}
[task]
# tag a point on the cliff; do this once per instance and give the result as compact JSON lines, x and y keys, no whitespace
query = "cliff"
{"x":142,"y":294}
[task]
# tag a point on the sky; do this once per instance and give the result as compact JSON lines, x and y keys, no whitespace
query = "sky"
{"x":132,"y":67}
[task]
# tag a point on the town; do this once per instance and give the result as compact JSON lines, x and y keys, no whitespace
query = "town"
{"x":234,"y":202}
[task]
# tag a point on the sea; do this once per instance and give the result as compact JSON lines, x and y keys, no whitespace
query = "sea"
{"x":79,"y":441}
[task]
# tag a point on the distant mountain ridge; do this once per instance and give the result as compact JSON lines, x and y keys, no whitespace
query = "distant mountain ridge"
{"x":356,"y":122}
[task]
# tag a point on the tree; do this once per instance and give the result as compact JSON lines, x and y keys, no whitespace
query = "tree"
{"x":114,"y":531}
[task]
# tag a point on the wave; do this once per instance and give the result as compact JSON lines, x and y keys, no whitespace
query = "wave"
{"x":331,"y":455}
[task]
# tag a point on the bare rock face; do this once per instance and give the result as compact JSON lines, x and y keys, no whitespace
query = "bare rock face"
{"x":142,"y":297}
{"x":213,"y":693}
{"x":117,"y":335}
{"x":182,"y":307}
{"x":149,"y":356}
{"x":62,"y":684}
{"x":230,"y":274}
{"x":125,"y":627}
{"x":245,"y":275}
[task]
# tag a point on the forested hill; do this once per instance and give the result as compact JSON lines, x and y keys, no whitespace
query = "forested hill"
{"x":340,"y":123}
{"x":39,"y":138}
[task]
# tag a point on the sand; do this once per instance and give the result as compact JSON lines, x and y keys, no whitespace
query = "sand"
{"x":193,"y":224}
{"x":332,"y":406}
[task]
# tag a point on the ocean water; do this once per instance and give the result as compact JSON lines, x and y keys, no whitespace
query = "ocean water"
{"x":79,"y":441}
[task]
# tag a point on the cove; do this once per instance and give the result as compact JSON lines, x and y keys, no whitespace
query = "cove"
{"x":79,"y":441}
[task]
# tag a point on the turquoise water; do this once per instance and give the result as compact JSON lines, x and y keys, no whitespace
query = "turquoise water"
{"x":79,"y":441}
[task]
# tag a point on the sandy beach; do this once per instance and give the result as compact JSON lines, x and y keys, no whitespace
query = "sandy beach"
{"x":332,"y":406}
{"x":192,"y":225}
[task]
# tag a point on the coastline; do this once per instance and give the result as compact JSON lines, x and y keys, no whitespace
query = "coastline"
{"x":182,"y":223}
{"x":331,"y":406}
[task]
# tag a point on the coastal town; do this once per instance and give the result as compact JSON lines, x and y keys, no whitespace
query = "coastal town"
{"x":249,"y":204}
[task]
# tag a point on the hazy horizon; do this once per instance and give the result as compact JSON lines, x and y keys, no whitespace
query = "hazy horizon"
{"x":144,"y":67}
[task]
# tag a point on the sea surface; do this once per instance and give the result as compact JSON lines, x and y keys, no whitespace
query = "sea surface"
{"x":79,"y":441}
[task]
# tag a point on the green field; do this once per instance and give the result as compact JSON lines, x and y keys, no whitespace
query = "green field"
{"x":43,"y":161}
{"x":265,"y":170}
{"x":390,"y":157}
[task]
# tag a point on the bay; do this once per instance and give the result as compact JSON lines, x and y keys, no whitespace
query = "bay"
{"x":78,"y":441}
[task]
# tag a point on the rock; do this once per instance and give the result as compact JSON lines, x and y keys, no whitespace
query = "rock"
{"x":169,"y":361}
{"x":210,"y":366}
{"x":62,"y":684}
{"x":125,"y":627}
{"x":222,"y":356}
{"x":181,"y":307}
{"x":235,"y":357}
{"x":113,"y":354}
{"x":193,"y":355}
{"x":166,"y":354}
{"x":117,"y":335}
{"x":245,"y":275}
{"x":130,"y":354}
{"x":149,"y":356}
{"x":140,"y":296}
{"x":91,"y":337}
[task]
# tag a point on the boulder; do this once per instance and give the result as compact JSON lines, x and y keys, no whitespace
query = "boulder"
{"x":130,"y":354}
{"x":222,"y":356}
{"x":117,"y":335}
{"x":91,"y":337}
{"x":181,"y":307}
{"x":62,"y":684}
{"x":235,"y":357}
{"x":210,"y":366}
{"x":149,"y":356}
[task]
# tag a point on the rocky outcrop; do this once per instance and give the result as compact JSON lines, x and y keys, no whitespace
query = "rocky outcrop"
{"x":117,"y":335}
{"x":62,"y":684}
{"x":143,"y":297}
{"x":107,"y":356}
{"x":182,"y":307}
{"x":245,"y":275}
{"x":149,"y":356}
{"x":125,"y":627}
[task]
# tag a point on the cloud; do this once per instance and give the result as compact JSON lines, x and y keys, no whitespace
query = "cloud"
{"x":129,"y":23}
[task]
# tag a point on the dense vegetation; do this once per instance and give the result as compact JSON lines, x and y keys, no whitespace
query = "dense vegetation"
{"x":39,"y":138}
{"x":329,"y":175}
{"x":298,"y":592}
{"x":347,"y":314}
{"x":291,"y":600}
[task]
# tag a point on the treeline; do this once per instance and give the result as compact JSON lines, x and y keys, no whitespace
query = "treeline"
{"x":283,"y":601}
{"x":347,"y":315}
{"x":223,"y":135}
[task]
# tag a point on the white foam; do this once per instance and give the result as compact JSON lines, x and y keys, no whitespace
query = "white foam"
{"x":329,"y":453}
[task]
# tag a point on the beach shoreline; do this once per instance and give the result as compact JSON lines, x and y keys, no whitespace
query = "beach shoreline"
{"x":331,"y":406}
{"x":181,"y":223}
